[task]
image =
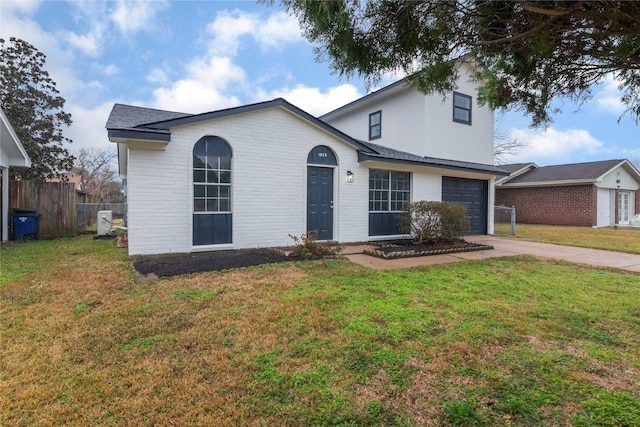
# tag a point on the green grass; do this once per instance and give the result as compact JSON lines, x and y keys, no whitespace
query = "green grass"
{"x":515,"y":341}
{"x":610,"y":239}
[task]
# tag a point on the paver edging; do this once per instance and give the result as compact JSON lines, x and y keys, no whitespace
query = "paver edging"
{"x":470,"y":247}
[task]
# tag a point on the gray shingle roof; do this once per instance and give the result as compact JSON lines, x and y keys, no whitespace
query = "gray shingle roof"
{"x":390,"y":154}
{"x":128,"y":121}
{"x":129,"y":116}
{"x":147,"y":123}
{"x":589,"y":171}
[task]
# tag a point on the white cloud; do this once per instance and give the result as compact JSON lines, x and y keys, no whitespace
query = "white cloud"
{"x":279,"y":29}
{"x":59,"y":61}
{"x":608,"y":98}
{"x":313,"y":100}
{"x":214,"y":80}
{"x":90,"y":39}
{"x":632,"y":154}
{"x":110,"y":70}
{"x":132,"y":16}
{"x":16,"y":7}
{"x":229,"y":27}
{"x":204,"y":88}
{"x":90,"y":43}
{"x":555,"y":147}
{"x":158,"y":76}
{"x":88,"y":127}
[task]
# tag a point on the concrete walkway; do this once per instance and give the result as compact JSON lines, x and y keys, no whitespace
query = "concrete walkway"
{"x":503,"y":247}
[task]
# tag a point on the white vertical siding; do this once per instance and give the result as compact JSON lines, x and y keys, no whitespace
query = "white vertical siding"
{"x":423,"y":124}
{"x":447,"y":139}
{"x":402,"y":120}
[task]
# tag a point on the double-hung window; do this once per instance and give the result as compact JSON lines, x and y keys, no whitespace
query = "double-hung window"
{"x":461,"y":108}
{"x":375,"y":125}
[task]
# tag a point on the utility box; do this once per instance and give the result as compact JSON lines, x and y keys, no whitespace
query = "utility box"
{"x":104,"y":222}
{"x":25,"y":225}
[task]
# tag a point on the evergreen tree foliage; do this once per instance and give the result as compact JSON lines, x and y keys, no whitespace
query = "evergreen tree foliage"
{"x":33,"y":105}
{"x":525,"y":53}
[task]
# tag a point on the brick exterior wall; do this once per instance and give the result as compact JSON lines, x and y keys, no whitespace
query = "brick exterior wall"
{"x":566,"y":205}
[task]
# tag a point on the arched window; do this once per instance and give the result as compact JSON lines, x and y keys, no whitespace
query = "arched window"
{"x":322,"y":155}
{"x":211,"y":175}
{"x":211,"y":191}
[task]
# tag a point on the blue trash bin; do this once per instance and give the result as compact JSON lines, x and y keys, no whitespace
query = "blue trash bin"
{"x":25,"y":225}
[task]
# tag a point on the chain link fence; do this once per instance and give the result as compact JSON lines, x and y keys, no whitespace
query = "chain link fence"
{"x":504,"y":221}
{"x":88,"y":215}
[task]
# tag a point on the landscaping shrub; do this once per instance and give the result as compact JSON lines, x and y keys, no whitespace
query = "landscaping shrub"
{"x":429,"y":221}
{"x":307,"y":247}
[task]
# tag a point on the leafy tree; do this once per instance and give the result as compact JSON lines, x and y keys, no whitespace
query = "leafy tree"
{"x":526,"y":53}
{"x":32,"y":104}
{"x":98,"y":175}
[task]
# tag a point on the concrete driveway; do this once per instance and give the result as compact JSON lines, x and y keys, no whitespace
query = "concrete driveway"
{"x":504,"y":247}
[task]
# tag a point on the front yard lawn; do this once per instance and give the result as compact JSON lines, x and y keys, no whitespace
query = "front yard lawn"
{"x":625,"y":239}
{"x":511,"y":341}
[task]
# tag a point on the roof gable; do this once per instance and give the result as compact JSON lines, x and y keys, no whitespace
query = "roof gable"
{"x":403,"y":84}
{"x":137,"y":124}
{"x":515,"y":167}
{"x":144,"y":123}
{"x":568,"y":173}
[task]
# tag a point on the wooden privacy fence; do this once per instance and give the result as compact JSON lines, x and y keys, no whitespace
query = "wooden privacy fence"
{"x":54,"y":201}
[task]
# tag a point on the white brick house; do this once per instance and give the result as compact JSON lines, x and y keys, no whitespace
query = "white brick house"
{"x":249,"y":176}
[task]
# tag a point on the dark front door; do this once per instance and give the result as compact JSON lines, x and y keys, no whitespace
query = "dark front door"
{"x":320,"y":201}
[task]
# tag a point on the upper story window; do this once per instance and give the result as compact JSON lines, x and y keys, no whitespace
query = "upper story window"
{"x":461,"y":108}
{"x":375,"y":125}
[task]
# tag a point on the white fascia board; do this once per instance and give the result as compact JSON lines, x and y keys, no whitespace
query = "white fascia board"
{"x":525,"y":169}
{"x":142,"y":144}
{"x":549,"y":183}
{"x":427,"y":169}
{"x":22,"y":159}
{"x":359,"y":103}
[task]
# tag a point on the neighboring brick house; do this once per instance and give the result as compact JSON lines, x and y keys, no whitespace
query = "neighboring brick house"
{"x":250,"y":176}
{"x":593,"y":194}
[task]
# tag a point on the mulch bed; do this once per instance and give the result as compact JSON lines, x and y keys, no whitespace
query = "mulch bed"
{"x":153,"y":266}
{"x":406,"y":249}
{"x":177,"y":264}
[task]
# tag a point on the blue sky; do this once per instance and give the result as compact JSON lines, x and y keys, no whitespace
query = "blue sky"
{"x":197,"y":56}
